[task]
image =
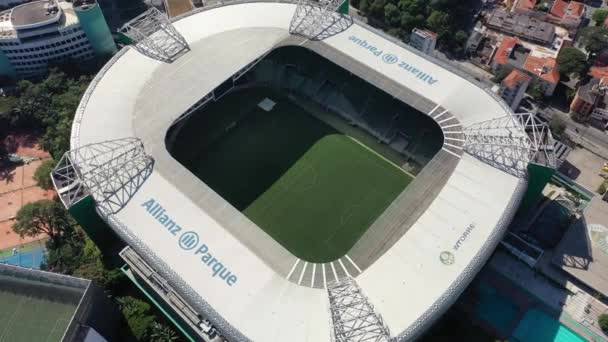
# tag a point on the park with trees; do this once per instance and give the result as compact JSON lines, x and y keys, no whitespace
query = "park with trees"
{"x":448,"y":18}
{"x":46,"y":108}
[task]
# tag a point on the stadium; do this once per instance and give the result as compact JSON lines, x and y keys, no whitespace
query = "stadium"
{"x":283,"y":172}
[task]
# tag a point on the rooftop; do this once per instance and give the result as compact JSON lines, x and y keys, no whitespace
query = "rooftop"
{"x":35,"y":13}
{"x":504,"y":50}
{"x":545,"y":68}
{"x":515,"y":78}
{"x":526,"y":5}
{"x":563,"y":9}
{"x":425,"y":33}
{"x":522,"y":25}
{"x":598,"y":72}
{"x":583,"y":251}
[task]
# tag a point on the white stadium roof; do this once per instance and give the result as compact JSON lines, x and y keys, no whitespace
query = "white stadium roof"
{"x":409,"y":285}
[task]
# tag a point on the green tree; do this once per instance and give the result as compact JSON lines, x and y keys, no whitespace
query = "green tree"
{"x":138,"y":316}
{"x":42,"y":176}
{"x":599,"y":16}
{"x":439,"y":22}
{"x":536,"y":91}
{"x":502,"y":73}
{"x":594,"y":38}
{"x":162,"y":333}
{"x":572,"y":61}
{"x":603,"y":322}
{"x":364,"y":6}
{"x":392,"y":16}
{"x":48,"y":106}
{"x":42,"y":217}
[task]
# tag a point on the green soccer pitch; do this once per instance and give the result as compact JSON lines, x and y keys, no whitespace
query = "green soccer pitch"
{"x":310,"y":187}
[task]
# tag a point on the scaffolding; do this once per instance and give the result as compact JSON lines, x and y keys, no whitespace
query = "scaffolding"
{"x":319,"y":20}
{"x":111,"y":171}
{"x":155,"y":36}
{"x":353,"y":316}
{"x":511,"y":142}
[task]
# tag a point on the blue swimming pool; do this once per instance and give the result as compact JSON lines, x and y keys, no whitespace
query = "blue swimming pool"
{"x":29,"y":259}
{"x":537,"y":326}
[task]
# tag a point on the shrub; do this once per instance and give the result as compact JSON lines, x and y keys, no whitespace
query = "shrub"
{"x":603,"y":322}
{"x":138,"y":316}
{"x":42,"y":176}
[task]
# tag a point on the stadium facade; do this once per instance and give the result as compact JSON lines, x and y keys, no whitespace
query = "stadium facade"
{"x":213,"y":266}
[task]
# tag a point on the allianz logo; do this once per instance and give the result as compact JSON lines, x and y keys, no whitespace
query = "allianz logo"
{"x":390,"y":58}
{"x":191,"y":241}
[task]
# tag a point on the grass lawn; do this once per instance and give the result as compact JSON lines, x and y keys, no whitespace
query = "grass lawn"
{"x":328,"y":199}
{"x":310,"y":187}
{"x":25,"y":319}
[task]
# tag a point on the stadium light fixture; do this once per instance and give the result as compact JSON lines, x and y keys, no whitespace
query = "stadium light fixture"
{"x":511,"y":142}
{"x":111,"y":171}
{"x":353,"y":316}
{"x":155,"y":36}
{"x":318,"y":20}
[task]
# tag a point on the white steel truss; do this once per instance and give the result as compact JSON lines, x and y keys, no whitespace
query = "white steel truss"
{"x":111,"y":171}
{"x":511,"y":142}
{"x":353,"y":316}
{"x":155,"y":36}
{"x":318,"y":20}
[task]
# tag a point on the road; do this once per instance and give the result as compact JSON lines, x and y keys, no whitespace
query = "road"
{"x":589,"y":137}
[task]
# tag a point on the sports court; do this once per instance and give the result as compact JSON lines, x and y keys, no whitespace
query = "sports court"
{"x":312,"y":188}
{"x":27,"y":318}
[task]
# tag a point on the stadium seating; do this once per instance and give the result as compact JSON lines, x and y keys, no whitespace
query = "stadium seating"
{"x":301,"y":71}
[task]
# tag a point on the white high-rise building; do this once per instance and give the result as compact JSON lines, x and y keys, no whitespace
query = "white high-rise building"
{"x":34,"y":34}
{"x":423,"y":40}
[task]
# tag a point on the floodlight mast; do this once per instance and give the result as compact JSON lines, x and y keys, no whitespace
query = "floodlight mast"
{"x":511,"y":142}
{"x":111,"y":171}
{"x":312,"y":18}
{"x":353,"y":316}
{"x":155,"y":36}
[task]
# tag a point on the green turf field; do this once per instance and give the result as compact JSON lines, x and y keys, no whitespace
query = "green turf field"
{"x":26,"y":319}
{"x":310,"y":187}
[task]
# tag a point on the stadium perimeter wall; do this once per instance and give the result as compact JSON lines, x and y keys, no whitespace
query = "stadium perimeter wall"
{"x":457,"y":286}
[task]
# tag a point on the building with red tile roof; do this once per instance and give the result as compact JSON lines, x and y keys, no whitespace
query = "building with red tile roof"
{"x":513,"y":87}
{"x":544,"y":70}
{"x":568,"y":14}
{"x":503,"y":52}
{"x":525,"y":5}
{"x":598,"y":72}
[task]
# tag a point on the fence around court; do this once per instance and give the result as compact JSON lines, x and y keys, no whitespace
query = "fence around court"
{"x":29,"y":259}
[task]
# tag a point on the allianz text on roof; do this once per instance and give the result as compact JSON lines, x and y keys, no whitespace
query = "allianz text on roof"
{"x":410,"y":284}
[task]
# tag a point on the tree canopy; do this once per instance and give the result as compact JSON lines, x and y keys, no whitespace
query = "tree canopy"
{"x":47,"y":106}
{"x":599,"y":16}
{"x":42,"y":176}
{"x":447,"y":18}
{"x":572,"y":61}
{"x":594,"y":38}
{"x":43,"y":217}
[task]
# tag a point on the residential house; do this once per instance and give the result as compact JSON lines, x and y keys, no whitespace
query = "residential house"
{"x":513,"y":87}
{"x":545,"y":71}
